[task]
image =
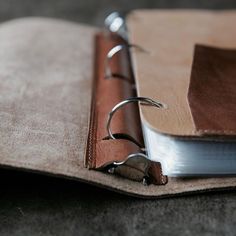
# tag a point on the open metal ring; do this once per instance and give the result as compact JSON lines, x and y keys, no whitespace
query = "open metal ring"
{"x":115,"y":50}
{"x":142,"y":100}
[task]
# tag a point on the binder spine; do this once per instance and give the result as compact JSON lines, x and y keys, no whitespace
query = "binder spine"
{"x":115,"y":142}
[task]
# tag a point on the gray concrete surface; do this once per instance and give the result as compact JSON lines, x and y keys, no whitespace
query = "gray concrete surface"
{"x":38,"y":205}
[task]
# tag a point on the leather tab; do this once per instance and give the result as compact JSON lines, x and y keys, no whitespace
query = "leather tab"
{"x":211,"y":95}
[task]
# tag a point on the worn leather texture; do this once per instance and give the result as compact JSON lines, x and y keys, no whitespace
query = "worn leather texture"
{"x":212,"y":91}
{"x":45,"y":95}
{"x":163,"y":73}
{"x":45,"y":84}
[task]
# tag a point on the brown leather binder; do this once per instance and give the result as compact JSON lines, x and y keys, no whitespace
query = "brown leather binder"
{"x":59,"y":91}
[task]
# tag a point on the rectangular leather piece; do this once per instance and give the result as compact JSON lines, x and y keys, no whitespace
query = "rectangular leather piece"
{"x":212,"y":91}
{"x":163,"y":73}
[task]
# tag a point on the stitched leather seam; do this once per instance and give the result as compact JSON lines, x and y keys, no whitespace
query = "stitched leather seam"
{"x":90,"y":155}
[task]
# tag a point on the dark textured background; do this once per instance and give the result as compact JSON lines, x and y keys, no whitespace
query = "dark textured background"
{"x":37,"y":205}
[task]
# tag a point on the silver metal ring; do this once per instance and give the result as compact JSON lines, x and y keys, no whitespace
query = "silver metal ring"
{"x":133,"y":155}
{"x":142,"y":100}
{"x":115,"y":23}
{"x":115,"y":50}
{"x":110,"y":54}
{"x":138,"y":161}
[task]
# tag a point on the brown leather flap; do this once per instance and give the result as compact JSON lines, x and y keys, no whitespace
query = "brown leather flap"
{"x":212,"y":96}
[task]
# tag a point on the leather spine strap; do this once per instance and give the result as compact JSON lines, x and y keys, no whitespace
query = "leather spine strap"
{"x":102,"y":152}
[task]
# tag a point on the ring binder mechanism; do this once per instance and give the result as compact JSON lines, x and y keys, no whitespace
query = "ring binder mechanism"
{"x":118,"y":147}
{"x":139,"y":161}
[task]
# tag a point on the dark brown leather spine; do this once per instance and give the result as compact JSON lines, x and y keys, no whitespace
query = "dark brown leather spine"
{"x":107,"y":92}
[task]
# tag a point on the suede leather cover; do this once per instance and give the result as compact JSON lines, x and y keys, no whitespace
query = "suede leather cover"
{"x":46,"y":70}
